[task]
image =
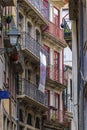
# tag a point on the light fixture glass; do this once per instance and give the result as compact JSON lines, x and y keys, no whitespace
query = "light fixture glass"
{"x":14,"y":34}
{"x":13,"y":39}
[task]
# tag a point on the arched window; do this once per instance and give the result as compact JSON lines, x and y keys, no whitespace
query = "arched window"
{"x":21,"y":21}
{"x":37,"y":36}
{"x":37,"y":124}
{"x":29,"y":28}
{"x":29,"y":119}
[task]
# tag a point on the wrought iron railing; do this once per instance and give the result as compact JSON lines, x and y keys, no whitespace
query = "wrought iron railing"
{"x":68,"y":104}
{"x":31,"y":90}
{"x":32,"y":45}
{"x":56,"y":31}
{"x":55,"y":74}
{"x":67,"y":29}
{"x":57,"y":115}
{"x":38,"y":4}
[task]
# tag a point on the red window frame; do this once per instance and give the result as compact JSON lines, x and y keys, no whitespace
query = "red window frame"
{"x":48,"y":95}
{"x":56,"y":17}
{"x":45,"y":3}
{"x":58,"y":107}
{"x":56,"y":66}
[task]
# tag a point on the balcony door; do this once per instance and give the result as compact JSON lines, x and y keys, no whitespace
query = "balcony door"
{"x":56,"y":66}
{"x":57,"y":105}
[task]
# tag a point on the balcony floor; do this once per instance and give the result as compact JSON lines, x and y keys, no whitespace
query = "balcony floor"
{"x":55,"y":85}
{"x":54,"y":40}
{"x":29,"y":102}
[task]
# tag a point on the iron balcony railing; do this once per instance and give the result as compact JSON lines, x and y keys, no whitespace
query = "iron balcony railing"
{"x":56,"y":31}
{"x":56,"y":115}
{"x":67,"y":29}
{"x":32,"y":45}
{"x":56,"y":74}
{"x":31,"y":90}
{"x":68,"y":104}
{"x":39,"y":5}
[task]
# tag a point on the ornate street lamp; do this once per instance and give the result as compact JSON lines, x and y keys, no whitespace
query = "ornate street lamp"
{"x":14,"y":35}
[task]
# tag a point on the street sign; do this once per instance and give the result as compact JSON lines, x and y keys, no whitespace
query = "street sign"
{"x":4,"y":94}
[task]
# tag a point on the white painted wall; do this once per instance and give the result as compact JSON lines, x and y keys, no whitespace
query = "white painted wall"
{"x":67,"y":56}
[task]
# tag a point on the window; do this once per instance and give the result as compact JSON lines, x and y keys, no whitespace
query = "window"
{"x":37,"y":36}
{"x":56,"y":66}
{"x":37,"y":80}
{"x":20,"y":115}
{"x":28,"y":74}
{"x":29,"y":119}
{"x":47,"y":93}
{"x":29,"y":28}
{"x":37,"y":124}
{"x":20,"y":22}
{"x":57,"y":104}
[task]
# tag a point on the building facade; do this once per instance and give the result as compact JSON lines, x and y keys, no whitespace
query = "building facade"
{"x":32,"y":70}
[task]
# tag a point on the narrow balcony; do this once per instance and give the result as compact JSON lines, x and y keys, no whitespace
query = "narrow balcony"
{"x":56,"y":33}
{"x":56,"y":118}
{"x":37,"y":10}
{"x":42,"y":7}
{"x":68,"y":106}
{"x":67,"y":30}
{"x":29,"y":93}
{"x":31,"y":46}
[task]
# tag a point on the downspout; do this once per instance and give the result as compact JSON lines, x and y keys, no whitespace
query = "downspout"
{"x":17,"y":76}
{"x":81,"y":64}
{"x":78,"y":73}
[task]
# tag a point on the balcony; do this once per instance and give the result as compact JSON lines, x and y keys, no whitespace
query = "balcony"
{"x":67,"y":30}
{"x":40,"y":7}
{"x":36,"y":10}
{"x":30,"y":45}
{"x":29,"y":93}
{"x":56,"y":118}
{"x":56,"y":33}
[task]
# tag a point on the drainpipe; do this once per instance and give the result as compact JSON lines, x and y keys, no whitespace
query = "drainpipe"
{"x":17,"y":76}
{"x":81,"y":64}
{"x":78,"y":73}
